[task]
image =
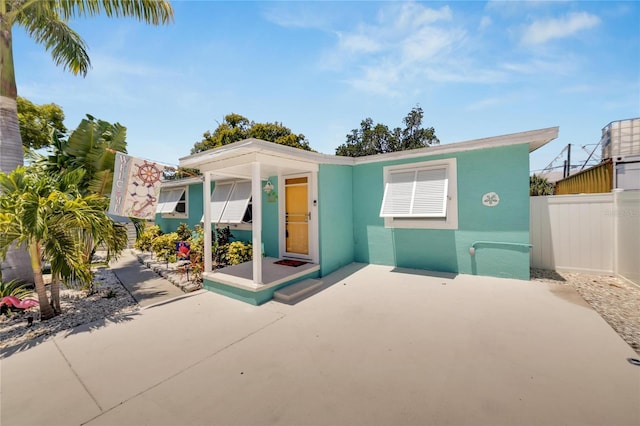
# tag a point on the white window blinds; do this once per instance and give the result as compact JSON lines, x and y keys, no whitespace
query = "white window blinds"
{"x":415,"y":193}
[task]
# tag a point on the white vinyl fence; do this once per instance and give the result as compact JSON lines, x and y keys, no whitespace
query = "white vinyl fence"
{"x":596,"y":233}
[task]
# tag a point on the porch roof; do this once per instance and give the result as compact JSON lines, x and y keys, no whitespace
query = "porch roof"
{"x":234,"y":160}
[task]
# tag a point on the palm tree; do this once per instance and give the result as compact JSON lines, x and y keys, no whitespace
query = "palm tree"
{"x":48,"y":214}
{"x":46,"y":22}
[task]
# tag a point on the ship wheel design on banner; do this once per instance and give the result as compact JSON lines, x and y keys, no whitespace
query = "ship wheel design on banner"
{"x":145,"y":193}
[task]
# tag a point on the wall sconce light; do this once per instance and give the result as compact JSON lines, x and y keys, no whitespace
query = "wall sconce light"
{"x":268,"y":187}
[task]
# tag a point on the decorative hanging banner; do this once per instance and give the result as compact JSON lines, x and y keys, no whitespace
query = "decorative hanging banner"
{"x":136,"y":187}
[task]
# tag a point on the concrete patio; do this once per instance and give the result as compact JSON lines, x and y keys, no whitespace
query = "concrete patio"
{"x":378,"y":346}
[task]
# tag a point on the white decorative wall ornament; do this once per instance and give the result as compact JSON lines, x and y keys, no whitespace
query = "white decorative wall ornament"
{"x":490,"y":199}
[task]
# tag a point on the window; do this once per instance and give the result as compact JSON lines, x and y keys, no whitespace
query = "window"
{"x":420,"y":195}
{"x":173,"y":202}
{"x":231,"y":203}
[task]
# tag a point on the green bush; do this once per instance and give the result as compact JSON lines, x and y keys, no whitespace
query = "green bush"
{"x":238,"y":252}
{"x":146,"y":238}
{"x":164,"y":246}
{"x":15,"y":289}
{"x":184,"y":233}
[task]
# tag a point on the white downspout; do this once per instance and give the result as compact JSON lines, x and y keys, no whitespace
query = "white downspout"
{"x":206,"y":196}
{"x":256,"y":224}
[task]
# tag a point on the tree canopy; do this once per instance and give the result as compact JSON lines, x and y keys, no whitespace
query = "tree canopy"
{"x":37,"y":122}
{"x":539,"y":185}
{"x":372,"y":138}
{"x":235,"y":128}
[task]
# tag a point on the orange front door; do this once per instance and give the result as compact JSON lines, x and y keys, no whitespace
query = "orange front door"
{"x":297,"y":215}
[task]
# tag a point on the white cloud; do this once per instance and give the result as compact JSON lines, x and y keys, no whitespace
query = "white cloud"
{"x":485,"y":22}
{"x":358,"y":43}
{"x":540,"y":32}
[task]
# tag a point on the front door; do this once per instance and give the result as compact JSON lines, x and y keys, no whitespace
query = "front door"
{"x":297,"y":216}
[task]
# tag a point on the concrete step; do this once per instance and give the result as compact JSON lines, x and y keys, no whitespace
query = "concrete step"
{"x":296,"y":292}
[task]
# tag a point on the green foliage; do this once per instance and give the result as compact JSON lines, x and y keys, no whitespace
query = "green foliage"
{"x":38,"y":122}
{"x":14,"y":288}
{"x":164,"y":246}
{"x":144,"y":240}
{"x":223,"y":239}
{"x":91,"y":146}
{"x":183,"y":231}
{"x":238,"y":252}
{"x":372,"y":139}
{"x":539,"y":185}
{"x":50,"y":214}
{"x":196,"y":255}
{"x":236,"y":128}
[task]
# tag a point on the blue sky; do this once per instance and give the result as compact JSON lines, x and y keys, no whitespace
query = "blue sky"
{"x":477,"y":69}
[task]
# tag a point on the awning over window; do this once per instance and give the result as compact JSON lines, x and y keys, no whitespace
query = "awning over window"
{"x":229,"y":201}
{"x":416,"y":193}
{"x":169,"y":199}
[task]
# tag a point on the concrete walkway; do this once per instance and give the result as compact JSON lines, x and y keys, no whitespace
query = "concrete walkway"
{"x":380,"y":346}
{"x":145,"y":286}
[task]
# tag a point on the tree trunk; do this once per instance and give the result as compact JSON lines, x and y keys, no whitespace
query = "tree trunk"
{"x":55,"y":294}
{"x":46,"y":311}
{"x":16,"y":265}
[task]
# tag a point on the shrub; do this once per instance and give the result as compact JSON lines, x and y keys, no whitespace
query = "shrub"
{"x":14,"y":288}
{"x":238,"y":252}
{"x":164,"y":246}
{"x":146,"y":238}
{"x":183,"y":231}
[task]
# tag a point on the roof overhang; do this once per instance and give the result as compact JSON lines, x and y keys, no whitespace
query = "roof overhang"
{"x":234,"y":160}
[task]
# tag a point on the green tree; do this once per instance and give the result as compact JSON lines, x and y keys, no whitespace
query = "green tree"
{"x":372,"y":139}
{"x":539,"y":185}
{"x":235,"y":128}
{"x":92,"y":147}
{"x":38,"y":122}
{"x":46,"y":23}
{"x":47,"y":213}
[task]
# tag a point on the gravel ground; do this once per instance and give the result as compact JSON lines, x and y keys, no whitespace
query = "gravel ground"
{"x":616,"y":300}
{"x":110,"y":301}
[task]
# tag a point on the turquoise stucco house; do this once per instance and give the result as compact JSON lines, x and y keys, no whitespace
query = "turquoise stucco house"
{"x":459,"y":208}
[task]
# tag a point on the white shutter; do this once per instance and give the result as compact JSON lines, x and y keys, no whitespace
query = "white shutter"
{"x":430,"y":196}
{"x":415,"y":193}
{"x":237,"y":203}
{"x":169,"y":200}
{"x":397,"y":194}
{"x":219,"y":199}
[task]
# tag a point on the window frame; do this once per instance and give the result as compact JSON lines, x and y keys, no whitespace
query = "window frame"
{"x":447,"y":221}
{"x":175,"y":214}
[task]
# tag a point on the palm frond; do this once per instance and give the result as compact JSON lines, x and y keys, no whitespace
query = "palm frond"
{"x":46,"y":27}
{"x":154,"y":12}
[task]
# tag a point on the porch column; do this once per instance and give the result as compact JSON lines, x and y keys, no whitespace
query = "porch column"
{"x":206,"y":196}
{"x":256,"y":227}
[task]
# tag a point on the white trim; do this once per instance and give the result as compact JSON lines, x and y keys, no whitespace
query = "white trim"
{"x":450,"y":221}
{"x":246,"y":151}
{"x":256,"y":223}
{"x":208,"y":240}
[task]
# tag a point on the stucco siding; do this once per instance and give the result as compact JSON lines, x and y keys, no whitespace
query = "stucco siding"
{"x":501,"y":170}
{"x":335,"y":209}
{"x":194,"y":207}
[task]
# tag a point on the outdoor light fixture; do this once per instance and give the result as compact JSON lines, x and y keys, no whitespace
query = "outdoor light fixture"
{"x":268,"y":187}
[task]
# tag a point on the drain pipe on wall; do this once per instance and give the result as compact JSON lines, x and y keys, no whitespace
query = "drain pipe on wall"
{"x":472,"y":249}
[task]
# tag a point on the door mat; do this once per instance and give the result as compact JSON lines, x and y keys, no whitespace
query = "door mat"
{"x":290,"y":262}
